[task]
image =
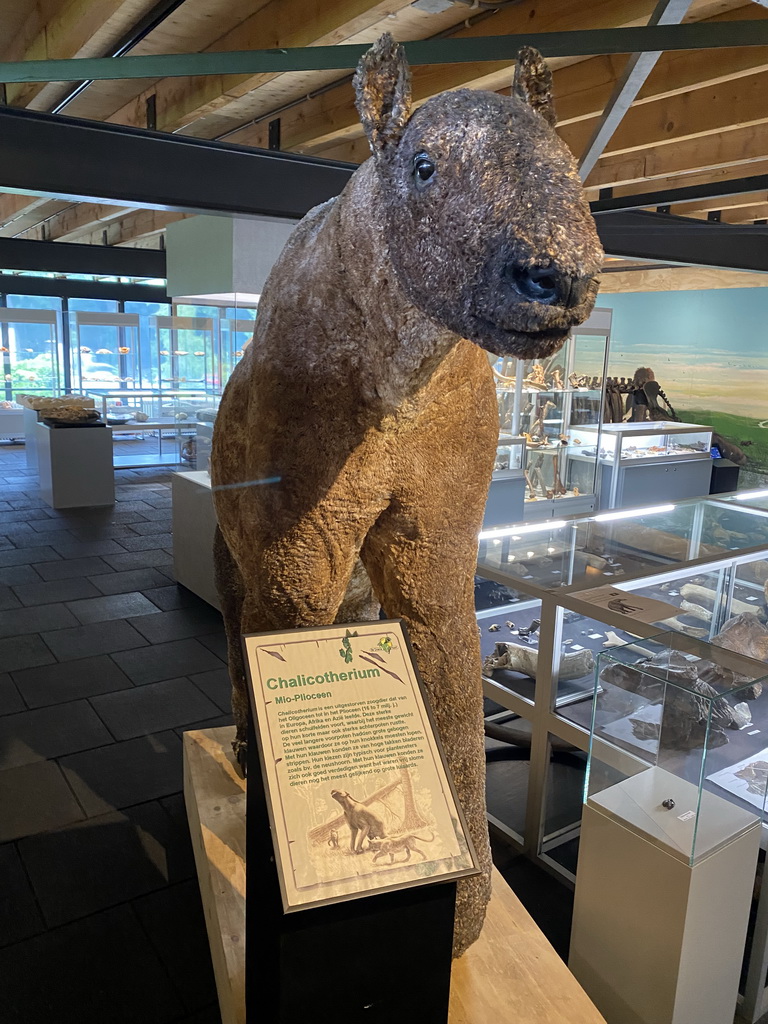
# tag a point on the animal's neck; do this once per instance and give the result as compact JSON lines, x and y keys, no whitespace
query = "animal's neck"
{"x":399,"y":348}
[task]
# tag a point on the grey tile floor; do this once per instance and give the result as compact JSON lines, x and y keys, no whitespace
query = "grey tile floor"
{"x":104,"y":662}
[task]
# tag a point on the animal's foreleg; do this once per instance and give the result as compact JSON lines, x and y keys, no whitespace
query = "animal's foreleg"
{"x":363,"y":836}
{"x":353,"y":839}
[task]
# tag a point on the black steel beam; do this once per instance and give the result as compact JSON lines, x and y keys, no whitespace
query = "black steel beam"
{"x":575,"y":43}
{"x":21,"y":284}
{"x":87,"y":161}
{"x":71,"y":258}
{"x":683,"y":240}
{"x":685,"y":194}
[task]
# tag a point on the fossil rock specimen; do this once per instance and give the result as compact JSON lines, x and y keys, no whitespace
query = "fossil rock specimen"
{"x":516,"y":658}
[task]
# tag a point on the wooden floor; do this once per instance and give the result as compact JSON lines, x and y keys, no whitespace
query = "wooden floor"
{"x":511,"y":974}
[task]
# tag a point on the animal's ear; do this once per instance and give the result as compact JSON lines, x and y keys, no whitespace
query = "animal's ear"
{"x":383,"y":92}
{"x":533,"y":83}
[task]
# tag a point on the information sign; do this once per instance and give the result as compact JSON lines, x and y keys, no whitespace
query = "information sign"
{"x":358,"y":792}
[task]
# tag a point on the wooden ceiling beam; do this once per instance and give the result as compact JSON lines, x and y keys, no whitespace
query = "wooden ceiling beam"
{"x":333,"y":117}
{"x":74,"y":220}
{"x":80,"y":28}
{"x":133,"y":227}
{"x":281,"y":23}
{"x":706,"y":176}
{"x":704,"y":206}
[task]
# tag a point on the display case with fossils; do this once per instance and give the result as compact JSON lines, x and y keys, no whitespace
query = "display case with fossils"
{"x":635,"y":459}
{"x":684,"y":719}
{"x":688,"y":567}
{"x":543,"y":401}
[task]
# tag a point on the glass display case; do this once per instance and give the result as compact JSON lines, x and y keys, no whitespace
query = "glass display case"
{"x":541,"y":631}
{"x":30,"y":352}
{"x":544,"y":401}
{"x":105,"y":350}
{"x":670,"y":459}
{"x":678,"y":726}
{"x":644,"y":443}
{"x":510,"y":455}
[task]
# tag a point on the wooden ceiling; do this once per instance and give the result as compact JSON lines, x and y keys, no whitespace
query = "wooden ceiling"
{"x":701,"y":116}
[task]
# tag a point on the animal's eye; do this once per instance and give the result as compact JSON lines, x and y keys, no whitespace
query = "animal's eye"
{"x":423,"y":169}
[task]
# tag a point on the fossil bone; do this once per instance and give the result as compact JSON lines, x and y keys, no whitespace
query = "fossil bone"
{"x":707,"y":597}
{"x":573,"y":664}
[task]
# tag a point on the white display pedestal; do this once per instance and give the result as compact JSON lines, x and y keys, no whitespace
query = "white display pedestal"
{"x":194,"y":525}
{"x":75,"y":465}
{"x":30,"y":421}
{"x":655,"y":940}
{"x":11,"y":423}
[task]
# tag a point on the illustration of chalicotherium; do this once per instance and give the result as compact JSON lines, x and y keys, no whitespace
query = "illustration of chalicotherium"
{"x":366,"y":404}
{"x":362,"y":822}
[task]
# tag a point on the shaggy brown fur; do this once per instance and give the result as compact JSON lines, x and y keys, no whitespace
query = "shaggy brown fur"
{"x":373,"y":418}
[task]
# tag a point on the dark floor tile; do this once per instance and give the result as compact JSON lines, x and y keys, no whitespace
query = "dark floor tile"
{"x":26,"y":503}
{"x":217,"y":643}
{"x":33,"y":799}
{"x":44,"y":733}
{"x":49,"y":526}
{"x":7,"y":543}
{"x":173,"y":919}
{"x":159,"y":540}
{"x":24,"y":652}
{"x":68,"y":568}
{"x":133,"y":506}
{"x":101,"y":968}
{"x":19,"y":914}
{"x":147,"y":709}
{"x":156,"y":514}
{"x":124,"y":516}
{"x":97,"y":532}
{"x":97,"y":638}
{"x":29,"y":539}
{"x":123,"y":774}
{"x":55,"y":590}
{"x":13,"y":574}
{"x":218,"y":722}
{"x":170,"y":598}
{"x":19,"y":621}
{"x":159,"y":500}
{"x":103,"y":861}
{"x":178,"y":625}
{"x":150,"y":528}
{"x":27,"y":556}
{"x":71,"y":680}
{"x":10,"y":699}
{"x":206,"y":1015}
{"x":26,"y":515}
{"x":166,"y":661}
{"x":132,"y":580}
{"x":138,"y":559}
{"x":216,"y":686}
{"x":15,"y":527}
{"x":9,"y":600}
{"x":117,"y":606}
{"x":85,"y":548}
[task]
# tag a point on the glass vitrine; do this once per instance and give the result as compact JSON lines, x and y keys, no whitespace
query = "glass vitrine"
{"x":187,"y":353}
{"x":30,"y":351}
{"x":542,"y":632}
{"x":644,"y":443}
{"x":545,"y":401}
{"x":104,"y":350}
{"x":677,"y":743}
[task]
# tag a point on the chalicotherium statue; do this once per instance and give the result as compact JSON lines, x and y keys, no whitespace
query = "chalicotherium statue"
{"x":355,"y":441}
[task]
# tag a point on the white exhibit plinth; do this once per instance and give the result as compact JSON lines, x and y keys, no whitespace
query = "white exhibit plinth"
{"x":75,"y":465}
{"x":194,"y":526}
{"x":30,"y":421}
{"x":654,"y":939}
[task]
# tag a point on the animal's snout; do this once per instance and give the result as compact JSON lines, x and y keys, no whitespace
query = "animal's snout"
{"x":547,"y":285}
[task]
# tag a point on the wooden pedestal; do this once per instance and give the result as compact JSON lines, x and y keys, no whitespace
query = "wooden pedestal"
{"x":511,"y":974}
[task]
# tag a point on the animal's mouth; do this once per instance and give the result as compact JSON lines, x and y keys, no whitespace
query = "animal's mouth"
{"x":499,"y":339}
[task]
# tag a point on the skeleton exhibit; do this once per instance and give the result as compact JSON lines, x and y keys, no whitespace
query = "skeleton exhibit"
{"x":355,"y":440}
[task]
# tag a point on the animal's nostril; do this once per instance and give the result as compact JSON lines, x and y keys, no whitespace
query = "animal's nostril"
{"x":537,"y":284}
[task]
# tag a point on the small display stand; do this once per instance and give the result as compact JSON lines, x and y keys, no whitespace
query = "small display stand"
{"x":670,"y":832}
{"x":510,"y":974}
{"x":75,"y":465}
{"x":194,"y":526}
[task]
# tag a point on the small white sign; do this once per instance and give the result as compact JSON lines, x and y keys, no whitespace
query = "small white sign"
{"x":636,"y":606}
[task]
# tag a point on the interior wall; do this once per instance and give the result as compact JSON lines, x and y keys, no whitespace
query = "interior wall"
{"x":709,"y":351}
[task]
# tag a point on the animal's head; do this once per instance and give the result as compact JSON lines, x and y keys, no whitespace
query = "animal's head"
{"x":487,"y":225}
{"x":340,"y":795}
